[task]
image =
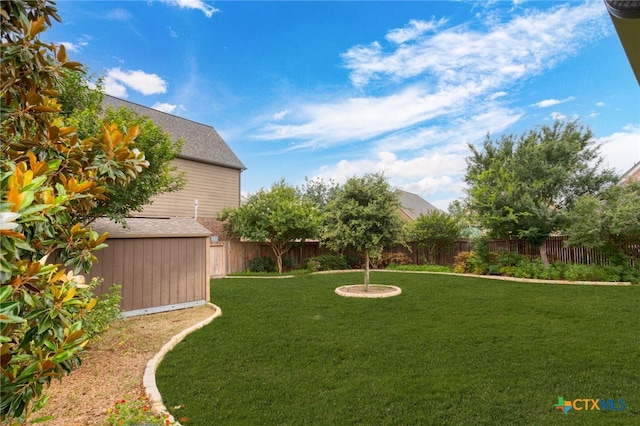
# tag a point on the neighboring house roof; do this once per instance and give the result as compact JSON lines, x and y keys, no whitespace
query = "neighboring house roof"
{"x":632,"y":175}
{"x":151,"y":228}
{"x":201,"y":142}
{"x":413,"y":205}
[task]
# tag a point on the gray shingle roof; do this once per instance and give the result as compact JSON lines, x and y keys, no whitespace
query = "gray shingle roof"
{"x":152,"y":228}
{"x":201,"y":142}
{"x":414,"y":205}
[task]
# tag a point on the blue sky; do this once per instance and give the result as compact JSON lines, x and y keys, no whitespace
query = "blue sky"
{"x":341,"y":88}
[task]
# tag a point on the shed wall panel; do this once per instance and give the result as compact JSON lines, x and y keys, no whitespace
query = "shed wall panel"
{"x":154,"y":272}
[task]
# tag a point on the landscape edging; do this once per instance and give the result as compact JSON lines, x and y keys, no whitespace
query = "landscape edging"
{"x":149,"y":378}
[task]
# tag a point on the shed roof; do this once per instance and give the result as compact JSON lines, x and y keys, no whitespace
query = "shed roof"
{"x":201,"y":142}
{"x":414,"y":205}
{"x":158,"y":227}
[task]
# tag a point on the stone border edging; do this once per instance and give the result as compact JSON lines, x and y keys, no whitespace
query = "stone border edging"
{"x":490,"y":277}
{"x":520,"y":280}
{"x":149,"y":378}
{"x":344,"y":291}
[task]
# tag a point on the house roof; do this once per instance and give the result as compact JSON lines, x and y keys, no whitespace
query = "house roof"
{"x":632,"y":175}
{"x":201,"y":142}
{"x":159,"y":227}
{"x":413,"y":205}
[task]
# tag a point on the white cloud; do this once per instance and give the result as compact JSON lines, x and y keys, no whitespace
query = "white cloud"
{"x":558,"y":116}
{"x":200,"y":5}
{"x":164,"y":107}
{"x":172,"y":33}
{"x":118,"y":14}
{"x":413,"y":30}
{"x":621,"y":150}
{"x":600,"y":104}
{"x":525,"y":45}
{"x":117,"y":81}
{"x":281,"y":114}
{"x":551,"y":102}
{"x":460,"y":69}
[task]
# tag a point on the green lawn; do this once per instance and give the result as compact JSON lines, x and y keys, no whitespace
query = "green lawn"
{"x":448,"y":350}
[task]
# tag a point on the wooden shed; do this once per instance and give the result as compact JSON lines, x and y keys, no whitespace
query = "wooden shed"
{"x":161,"y":263}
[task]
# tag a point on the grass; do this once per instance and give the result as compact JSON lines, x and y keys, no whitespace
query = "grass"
{"x":448,"y":350}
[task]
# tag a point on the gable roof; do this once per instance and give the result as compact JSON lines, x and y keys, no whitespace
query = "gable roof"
{"x":413,"y":205}
{"x":159,"y":227}
{"x":201,"y":142}
{"x":632,"y":175}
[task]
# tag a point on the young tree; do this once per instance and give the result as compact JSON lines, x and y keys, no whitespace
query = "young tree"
{"x":434,"y":232}
{"x":82,"y":107}
{"x":524,"y":186}
{"x":279,"y":217}
{"x":609,"y":221}
{"x":363,"y":215}
{"x":50,"y":178}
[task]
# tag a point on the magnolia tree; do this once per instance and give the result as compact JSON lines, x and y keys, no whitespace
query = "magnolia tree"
{"x":51,"y":179}
{"x":363,"y":215}
{"x":279,"y":216}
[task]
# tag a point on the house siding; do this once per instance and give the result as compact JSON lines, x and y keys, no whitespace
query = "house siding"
{"x":215,"y":187}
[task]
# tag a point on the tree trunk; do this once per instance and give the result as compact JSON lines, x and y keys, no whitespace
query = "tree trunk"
{"x":543,"y":254}
{"x":366,"y":270}
{"x":279,"y":262}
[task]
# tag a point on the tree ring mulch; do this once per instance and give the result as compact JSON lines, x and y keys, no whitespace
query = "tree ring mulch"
{"x":376,"y":291}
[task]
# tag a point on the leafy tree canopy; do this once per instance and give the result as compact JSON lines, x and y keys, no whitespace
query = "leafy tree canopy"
{"x":609,"y":221}
{"x":434,"y":232}
{"x":279,"y":216}
{"x":524,"y":186}
{"x":363,"y":215}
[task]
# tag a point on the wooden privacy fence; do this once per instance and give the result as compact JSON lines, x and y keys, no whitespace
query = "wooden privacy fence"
{"x":233,"y":256}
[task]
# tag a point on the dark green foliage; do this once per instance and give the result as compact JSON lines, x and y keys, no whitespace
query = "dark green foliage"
{"x":418,"y":268}
{"x":262,"y":264}
{"x":329,"y":262}
{"x":449,"y":350}
{"x":434,"y":233}
{"x":525,"y":185}
{"x":609,"y":221}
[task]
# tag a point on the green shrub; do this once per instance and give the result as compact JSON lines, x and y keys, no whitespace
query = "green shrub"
{"x":528,"y":269}
{"x":577,"y":272}
{"x":289,"y":263}
{"x":106,"y":311}
{"x":509,"y":258}
{"x":330,"y":262}
{"x":462,"y":262}
{"x":262,"y":264}
{"x":427,"y":268}
{"x":353,"y":261}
